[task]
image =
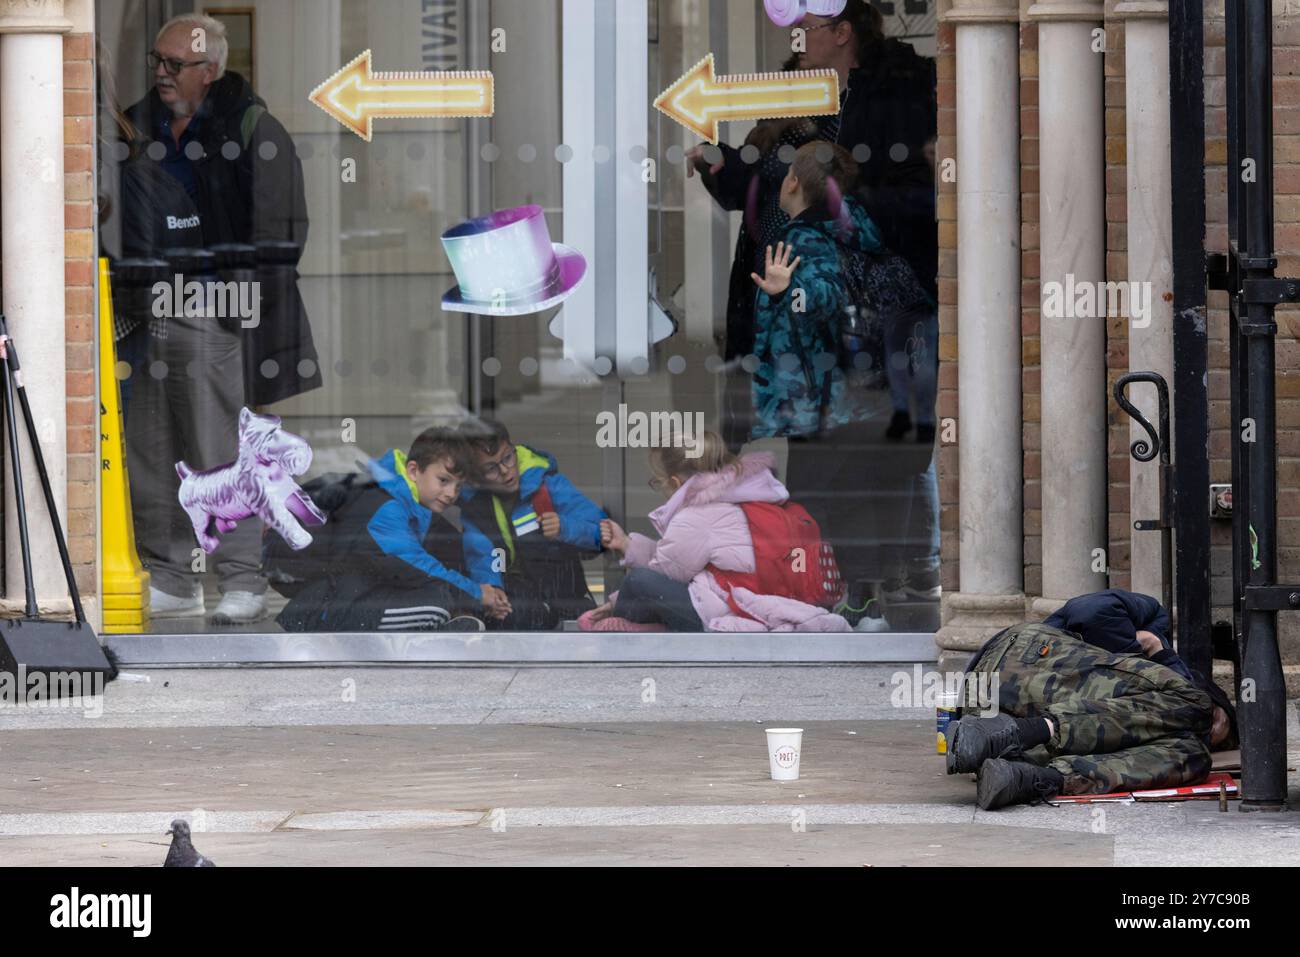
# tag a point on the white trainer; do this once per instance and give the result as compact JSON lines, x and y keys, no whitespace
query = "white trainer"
{"x":163,"y":605}
{"x":872,"y":625}
{"x":239,"y":608}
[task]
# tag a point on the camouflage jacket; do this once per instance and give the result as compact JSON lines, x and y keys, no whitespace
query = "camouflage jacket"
{"x":786,"y":402}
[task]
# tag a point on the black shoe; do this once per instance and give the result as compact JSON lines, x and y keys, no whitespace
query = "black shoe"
{"x":925,"y":435}
{"x":900,"y":425}
{"x":972,"y":741}
{"x":1003,"y":782}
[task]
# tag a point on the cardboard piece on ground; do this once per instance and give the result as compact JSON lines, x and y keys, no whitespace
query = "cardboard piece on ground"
{"x":1226,"y":761}
{"x":1209,"y":789}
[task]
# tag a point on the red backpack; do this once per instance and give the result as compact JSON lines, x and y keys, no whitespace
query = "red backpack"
{"x":790,"y":558}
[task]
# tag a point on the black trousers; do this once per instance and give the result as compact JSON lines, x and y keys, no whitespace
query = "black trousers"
{"x":858,"y":487}
{"x":349,"y":603}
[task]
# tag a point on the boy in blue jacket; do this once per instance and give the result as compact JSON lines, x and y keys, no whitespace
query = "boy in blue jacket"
{"x":527,"y":529}
{"x":387,"y":559}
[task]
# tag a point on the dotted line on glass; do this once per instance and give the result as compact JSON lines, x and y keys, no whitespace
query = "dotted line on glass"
{"x":492,"y":366}
{"x":491,"y":152}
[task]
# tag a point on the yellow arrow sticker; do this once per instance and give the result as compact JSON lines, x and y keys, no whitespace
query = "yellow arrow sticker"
{"x":699,"y":101}
{"x":355,"y":96}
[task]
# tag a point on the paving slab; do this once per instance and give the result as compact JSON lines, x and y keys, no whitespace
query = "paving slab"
{"x":361,"y":695}
{"x":526,"y":766}
{"x":768,"y":845}
{"x":325,"y":769}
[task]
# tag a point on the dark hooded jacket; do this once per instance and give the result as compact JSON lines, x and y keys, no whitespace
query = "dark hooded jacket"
{"x":1111,"y":619}
{"x":809,"y":395}
{"x":257,"y":198}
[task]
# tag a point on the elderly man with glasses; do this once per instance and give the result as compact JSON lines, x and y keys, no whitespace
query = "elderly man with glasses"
{"x":205,"y":127}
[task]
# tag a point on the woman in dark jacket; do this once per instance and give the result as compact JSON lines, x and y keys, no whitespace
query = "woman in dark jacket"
{"x":887,"y":113}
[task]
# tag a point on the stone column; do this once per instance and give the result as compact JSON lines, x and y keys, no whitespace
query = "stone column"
{"x":1150,"y":238}
{"x":988,"y":329}
{"x":31,"y":230}
{"x":1072,"y":217}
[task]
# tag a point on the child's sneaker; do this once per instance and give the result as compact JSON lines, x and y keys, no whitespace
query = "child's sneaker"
{"x":873,"y":620}
{"x":867,"y":618}
{"x":587,"y":622}
{"x":464,"y":623}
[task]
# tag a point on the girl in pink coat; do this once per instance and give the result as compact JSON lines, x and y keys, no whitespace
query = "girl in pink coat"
{"x":701,"y":525}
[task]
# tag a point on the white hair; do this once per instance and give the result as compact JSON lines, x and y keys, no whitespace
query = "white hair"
{"x":216,"y":49}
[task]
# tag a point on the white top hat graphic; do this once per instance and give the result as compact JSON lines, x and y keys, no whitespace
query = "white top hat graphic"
{"x":506,"y":264}
{"x":785,"y":12}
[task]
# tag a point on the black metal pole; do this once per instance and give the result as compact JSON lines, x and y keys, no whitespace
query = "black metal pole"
{"x":1191,"y":479}
{"x":1239,"y":383}
{"x":47,"y":489}
{"x":1262,"y":713}
{"x":16,"y":470}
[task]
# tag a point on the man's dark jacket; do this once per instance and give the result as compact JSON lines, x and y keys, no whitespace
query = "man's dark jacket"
{"x":1111,"y":619}
{"x":252,"y":200}
{"x":890,"y":100}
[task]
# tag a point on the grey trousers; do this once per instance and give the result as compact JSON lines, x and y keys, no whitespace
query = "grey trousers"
{"x":185,"y":405}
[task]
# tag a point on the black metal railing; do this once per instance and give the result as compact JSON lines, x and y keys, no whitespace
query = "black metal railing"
{"x":1246,"y":272}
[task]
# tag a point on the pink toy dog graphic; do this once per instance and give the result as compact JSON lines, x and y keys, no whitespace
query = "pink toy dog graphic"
{"x":259,"y":482}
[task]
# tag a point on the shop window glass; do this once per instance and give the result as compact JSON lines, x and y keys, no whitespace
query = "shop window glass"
{"x":297,"y":307}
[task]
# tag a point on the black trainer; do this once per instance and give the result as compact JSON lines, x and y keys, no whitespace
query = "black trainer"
{"x":1002,"y":782}
{"x":972,"y":741}
{"x":899,"y":425}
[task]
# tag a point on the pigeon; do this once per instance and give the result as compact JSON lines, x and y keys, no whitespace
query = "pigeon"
{"x":182,"y":852}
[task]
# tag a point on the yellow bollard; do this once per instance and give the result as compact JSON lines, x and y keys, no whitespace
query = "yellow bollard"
{"x":126,"y":583}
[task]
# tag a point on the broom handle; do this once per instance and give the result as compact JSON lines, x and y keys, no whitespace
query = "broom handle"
{"x":16,"y":470}
{"x":14,"y":371}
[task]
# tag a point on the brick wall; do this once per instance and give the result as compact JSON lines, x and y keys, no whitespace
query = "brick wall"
{"x":1119,"y":525}
{"x":1287,"y":208}
{"x":1030,"y":352}
{"x":81,"y":305}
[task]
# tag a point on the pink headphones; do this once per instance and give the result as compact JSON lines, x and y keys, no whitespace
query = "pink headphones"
{"x":785,"y":12}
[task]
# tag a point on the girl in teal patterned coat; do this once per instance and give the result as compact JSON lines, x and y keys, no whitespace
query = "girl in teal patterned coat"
{"x":797,"y":387}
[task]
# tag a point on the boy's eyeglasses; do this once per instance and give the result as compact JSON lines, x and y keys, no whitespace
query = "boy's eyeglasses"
{"x":170,"y":64}
{"x":501,"y":466}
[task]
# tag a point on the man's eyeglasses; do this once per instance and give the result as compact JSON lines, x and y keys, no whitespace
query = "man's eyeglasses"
{"x":499,"y":468}
{"x":170,"y":64}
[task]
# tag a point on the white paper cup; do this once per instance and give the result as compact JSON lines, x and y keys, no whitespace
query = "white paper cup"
{"x":783,"y":746}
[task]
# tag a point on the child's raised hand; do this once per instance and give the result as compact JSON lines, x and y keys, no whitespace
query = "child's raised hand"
{"x":612,"y":536}
{"x":778,"y":269}
{"x":550,"y":523}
